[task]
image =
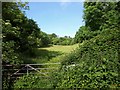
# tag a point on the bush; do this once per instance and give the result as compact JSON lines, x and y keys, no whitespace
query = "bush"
{"x":97,"y":64}
{"x":32,"y":81}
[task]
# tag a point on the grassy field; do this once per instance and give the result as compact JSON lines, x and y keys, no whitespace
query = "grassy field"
{"x":62,"y":49}
{"x":54,"y":54}
{"x":49,"y":54}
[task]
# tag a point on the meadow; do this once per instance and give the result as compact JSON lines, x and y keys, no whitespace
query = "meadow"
{"x":53,"y":54}
{"x":61,"y":48}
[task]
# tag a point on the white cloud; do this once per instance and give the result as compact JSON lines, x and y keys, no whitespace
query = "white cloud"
{"x":65,"y":3}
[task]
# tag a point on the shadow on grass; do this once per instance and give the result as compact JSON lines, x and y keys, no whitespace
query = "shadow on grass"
{"x":39,"y":55}
{"x":45,"y":53}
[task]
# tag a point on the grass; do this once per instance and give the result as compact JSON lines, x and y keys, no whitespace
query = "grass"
{"x":61,"y":48}
{"x":48,"y":54}
{"x":43,"y":55}
{"x":53,"y":54}
{"x":56,"y":52}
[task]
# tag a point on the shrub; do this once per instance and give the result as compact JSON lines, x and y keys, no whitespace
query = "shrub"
{"x":32,"y":81}
{"x":97,"y":64}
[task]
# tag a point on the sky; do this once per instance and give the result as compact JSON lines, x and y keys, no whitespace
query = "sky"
{"x":61,"y":18}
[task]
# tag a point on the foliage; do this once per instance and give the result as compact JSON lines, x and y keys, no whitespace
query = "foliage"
{"x":19,"y":35}
{"x":45,"y":39}
{"x":66,"y":40}
{"x":9,"y":47}
{"x":96,"y":64}
{"x":99,"y":16}
{"x":84,"y":34}
{"x":32,"y":81}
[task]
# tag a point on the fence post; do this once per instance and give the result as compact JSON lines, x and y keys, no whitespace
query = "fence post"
{"x":27,"y":70}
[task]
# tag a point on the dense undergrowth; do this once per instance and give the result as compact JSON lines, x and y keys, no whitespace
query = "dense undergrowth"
{"x":97,"y":64}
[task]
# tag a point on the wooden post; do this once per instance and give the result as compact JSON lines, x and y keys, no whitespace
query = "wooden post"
{"x":27,"y":70}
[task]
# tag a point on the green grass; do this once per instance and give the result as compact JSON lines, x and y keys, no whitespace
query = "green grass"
{"x":61,"y":48}
{"x":53,"y":54}
{"x":58,"y":50}
{"x":43,"y":55}
{"x":49,"y":54}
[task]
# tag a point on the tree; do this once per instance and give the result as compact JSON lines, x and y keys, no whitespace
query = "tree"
{"x":45,"y":39}
{"x":84,"y":34}
{"x":20,"y":35}
{"x":98,"y":15}
{"x":12,"y":17}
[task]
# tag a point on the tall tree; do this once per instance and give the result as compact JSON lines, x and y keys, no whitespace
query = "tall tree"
{"x":19,"y":34}
{"x":99,"y":15}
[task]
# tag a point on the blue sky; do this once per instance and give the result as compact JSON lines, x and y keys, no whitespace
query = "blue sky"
{"x":61,"y":18}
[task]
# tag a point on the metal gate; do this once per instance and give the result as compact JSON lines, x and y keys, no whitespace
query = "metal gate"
{"x":16,"y":71}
